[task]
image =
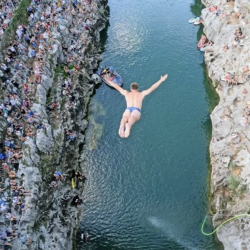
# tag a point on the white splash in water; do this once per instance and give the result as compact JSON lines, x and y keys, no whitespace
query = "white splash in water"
{"x":167,"y":229}
{"x":160,"y":224}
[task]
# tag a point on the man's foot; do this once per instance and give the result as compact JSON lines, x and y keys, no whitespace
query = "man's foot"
{"x":127,"y":130}
{"x":121,"y":131}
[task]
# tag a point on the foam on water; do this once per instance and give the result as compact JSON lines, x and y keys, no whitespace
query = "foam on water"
{"x":167,"y":229}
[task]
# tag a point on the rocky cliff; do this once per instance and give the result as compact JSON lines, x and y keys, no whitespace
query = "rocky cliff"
{"x":56,"y":81}
{"x":226,"y":25}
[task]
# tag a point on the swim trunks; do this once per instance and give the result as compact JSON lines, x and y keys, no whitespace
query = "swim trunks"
{"x":131,"y":109}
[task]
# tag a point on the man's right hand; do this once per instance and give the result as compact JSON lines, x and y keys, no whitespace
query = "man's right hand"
{"x":163,"y":78}
{"x":154,"y":86}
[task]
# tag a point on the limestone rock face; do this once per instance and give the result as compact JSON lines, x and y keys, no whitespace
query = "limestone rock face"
{"x":44,"y":140}
{"x":230,"y":145}
{"x":51,"y":220}
{"x":41,"y":94}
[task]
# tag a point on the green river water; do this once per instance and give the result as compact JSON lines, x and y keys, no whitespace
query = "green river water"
{"x":150,"y":191}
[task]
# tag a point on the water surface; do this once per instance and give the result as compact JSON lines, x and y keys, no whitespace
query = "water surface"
{"x":150,"y":191}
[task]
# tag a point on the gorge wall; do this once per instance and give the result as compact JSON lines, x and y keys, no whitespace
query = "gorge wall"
{"x":54,"y":75}
{"x":228,"y":62}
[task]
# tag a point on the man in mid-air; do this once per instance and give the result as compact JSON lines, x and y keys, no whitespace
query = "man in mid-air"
{"x":134,"y":100}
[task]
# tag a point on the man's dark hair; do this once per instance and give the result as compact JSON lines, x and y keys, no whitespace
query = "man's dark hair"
{"x":134,"y":86}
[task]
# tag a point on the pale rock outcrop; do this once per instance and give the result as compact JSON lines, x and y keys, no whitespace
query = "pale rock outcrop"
{"x":230,"y":145}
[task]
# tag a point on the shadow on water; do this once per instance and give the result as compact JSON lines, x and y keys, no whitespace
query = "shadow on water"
{"x":212,"y":97}
{"x":200,"y":32}
{"x":197,"y":7}
{"x":104,"y":32}
{"x":103,"y":40}
{"x":95,"y":128}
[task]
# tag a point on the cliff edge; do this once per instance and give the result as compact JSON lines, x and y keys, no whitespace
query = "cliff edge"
{"x":226,"y":25}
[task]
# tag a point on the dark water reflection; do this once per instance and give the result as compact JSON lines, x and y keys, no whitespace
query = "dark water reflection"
{"x":150,"y":191}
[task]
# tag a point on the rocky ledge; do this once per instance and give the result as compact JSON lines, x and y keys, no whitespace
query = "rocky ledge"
{"x":46,"y":87}
{"x":226,"y":25}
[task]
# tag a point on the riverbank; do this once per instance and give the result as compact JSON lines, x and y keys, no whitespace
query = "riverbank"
{"x":226,"y":24}
{"x":46,"y":87}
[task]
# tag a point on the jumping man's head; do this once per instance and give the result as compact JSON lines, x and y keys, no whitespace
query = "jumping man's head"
{"x":134,"y":86}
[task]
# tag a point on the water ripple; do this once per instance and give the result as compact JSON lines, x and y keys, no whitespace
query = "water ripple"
{"x":149,"y":192}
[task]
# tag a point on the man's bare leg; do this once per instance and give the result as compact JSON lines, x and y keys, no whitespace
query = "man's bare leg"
{"x":124,"y":120}
{"x":134,"y":117}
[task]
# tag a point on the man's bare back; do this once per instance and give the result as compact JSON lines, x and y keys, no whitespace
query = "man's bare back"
{"x":134,"y":100}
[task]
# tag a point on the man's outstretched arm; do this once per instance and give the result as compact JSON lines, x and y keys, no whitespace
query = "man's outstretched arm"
{"x":154,"y":86}
{"x":115,"y":86}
